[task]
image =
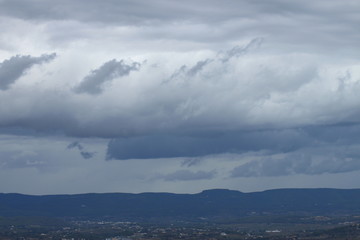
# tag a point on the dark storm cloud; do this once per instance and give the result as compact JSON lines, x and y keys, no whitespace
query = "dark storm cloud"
{"x":186,"y":175}
{"x":15,"y":67}
{"x":169,"y":146}
{"x":93,"y":83}
{"x":310,"y":150}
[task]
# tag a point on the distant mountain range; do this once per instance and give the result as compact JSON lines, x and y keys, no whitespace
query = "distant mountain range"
{"x":209,"y":204}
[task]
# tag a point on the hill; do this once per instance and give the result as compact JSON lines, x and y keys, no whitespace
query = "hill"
{"x":209,"y":204}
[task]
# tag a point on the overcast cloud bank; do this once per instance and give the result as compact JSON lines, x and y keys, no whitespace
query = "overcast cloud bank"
{"x":185,"y":85}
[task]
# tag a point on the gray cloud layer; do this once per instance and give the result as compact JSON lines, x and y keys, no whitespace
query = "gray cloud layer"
{"x":273,"y":141}
{"x":132,"y":11}
{"x":311,"y":150}
{"x":314,"y":23}
{"x":93,"y":83}
{"x":15,"y":67}
{"x":242,"y":76}
{"x":168,"y":146}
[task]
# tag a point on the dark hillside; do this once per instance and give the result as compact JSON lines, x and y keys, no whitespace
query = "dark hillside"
{"x":207,"y":204}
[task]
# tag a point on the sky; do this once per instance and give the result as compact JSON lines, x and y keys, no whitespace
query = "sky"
{"x":178,"y":96}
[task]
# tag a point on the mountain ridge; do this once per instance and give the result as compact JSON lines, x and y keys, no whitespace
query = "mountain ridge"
{"x":211,"y":204}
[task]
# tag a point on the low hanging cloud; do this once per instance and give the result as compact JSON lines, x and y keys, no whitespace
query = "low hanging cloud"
{"x":186,"y":175}
{"x":170,"y":146}
{"x":312,"y":150}
{"x":15,"y":67}
{"x":94,"y":82}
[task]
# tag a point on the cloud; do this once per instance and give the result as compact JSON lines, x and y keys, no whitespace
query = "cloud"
{"x":189,"y":162}
{"x":85,"y":154}
{"x":169,"y":146}
{"x":20,"y":159}
{"x":15,"y":67}
{"x":186,"y":175}
{"x":75,"y":145}
{"x":309,"y":161}
{"x":211,"y":21}
{"x":230,"y":83}
{"x":186,"y":72}
{"x":309,"y":150}
{"x":126,"y":12}
{"x":93,"y":83}
{"x":269,"y":88}
{"x":252,"y":92}
{"x":331,"y":149}
{"x":237,"y":51}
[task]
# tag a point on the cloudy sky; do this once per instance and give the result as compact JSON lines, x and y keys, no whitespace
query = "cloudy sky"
{"x":178,"y":96}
